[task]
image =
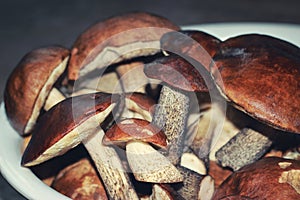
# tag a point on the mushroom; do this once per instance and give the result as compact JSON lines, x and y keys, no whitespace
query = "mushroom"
{"x":180,"y":78}
{"x":77,"y":120}
{"x":80,"y":181}
{"x":260,"y":78}
{"x":30,"y":83}
{"x":268,"y":178}
{"x":146,"y":163}
{"x":116,"y":39}
{"x":182,"y":72}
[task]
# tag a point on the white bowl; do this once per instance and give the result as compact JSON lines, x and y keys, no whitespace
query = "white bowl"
{"x":23,"y":180}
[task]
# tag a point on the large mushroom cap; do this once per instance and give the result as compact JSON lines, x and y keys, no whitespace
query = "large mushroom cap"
{"x":30,"y":83}
{"x":261,"y":76}
{"x":66,"y":125}
{"x":176,"y":72}
{"x":103,"y":34}
{"x":268,"y":178}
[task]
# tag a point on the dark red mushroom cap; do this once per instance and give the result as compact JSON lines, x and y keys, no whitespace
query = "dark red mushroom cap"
{"x":261,"y":76}
{"x":30,"y":83}
{"x":66,"y":125}
{"x":135,"y":129}
{"x":101,"y":35}
{"x":268,"y":178}
{"x":177,"y":73}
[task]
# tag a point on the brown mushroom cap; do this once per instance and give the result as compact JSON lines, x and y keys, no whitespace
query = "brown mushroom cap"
{"x":198,"y":45}
{"x":268,"y":178}
{"x":177,"y":73}
{"x":102,"y":32}
{"x":208,"y":42}
{"x":30,"y":83}
{"x":80,"y":181}
{"x":135,"y":129}
{"x":66,"y":124}
{"x":261,"y":76}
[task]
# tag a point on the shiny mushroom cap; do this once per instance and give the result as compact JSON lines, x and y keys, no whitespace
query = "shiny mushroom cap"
{"x":30,"y":83}
{"x":66,"y":125}
{"x":106,"y":35}
{"x":135,"y":129}
{"x":268,"y":178}
{"x":177,"y":73}
{"x":80,"y":181}
{"x":261,"y":76}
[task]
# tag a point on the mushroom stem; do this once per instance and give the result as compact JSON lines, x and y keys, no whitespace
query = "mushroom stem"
{"x":244,"y":148}
{"x":54,"y":97}
{"x":171,"y":115}
{"x":110,"y":168}
{"x":148,"y":165}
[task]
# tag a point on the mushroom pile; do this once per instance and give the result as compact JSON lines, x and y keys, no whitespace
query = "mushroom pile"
{"x":162,"y":113}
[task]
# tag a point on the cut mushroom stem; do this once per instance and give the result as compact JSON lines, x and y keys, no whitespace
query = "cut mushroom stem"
{"x":171,"y":114}
{"x":244,"y":148}
{"x":54,"y":97}
{"x":109,"y":166}
{"x":190,"y":186}
{"x":148,"y":165}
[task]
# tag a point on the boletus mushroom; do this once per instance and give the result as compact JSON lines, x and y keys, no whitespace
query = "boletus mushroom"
{"x":260,"y":78}
{"x":179,"y":78}
{"x":146,"y":163}
{"x":30,"y":83}
{"x":75,"y":120}
{"x":268,"y":178}
{"x":117,"y":39}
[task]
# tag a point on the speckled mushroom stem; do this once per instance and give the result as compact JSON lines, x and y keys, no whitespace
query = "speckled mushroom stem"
{"x":245,"y":148}
{"x":171,"y":116}
{"x":109,"y":166}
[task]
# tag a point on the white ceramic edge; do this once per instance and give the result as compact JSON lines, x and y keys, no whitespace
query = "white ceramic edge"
{"x":23,"y":180}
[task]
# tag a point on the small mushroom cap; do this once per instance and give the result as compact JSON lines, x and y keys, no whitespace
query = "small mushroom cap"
{"x":177,"y":73}
{"x":268,"y":178}
{"x":80,"y":181}
{"x":66,"y":124}
{"x":135,"y":129}
{"x":30,"y":83}
{"x":261,"y":76}
{"x":103,"y":31}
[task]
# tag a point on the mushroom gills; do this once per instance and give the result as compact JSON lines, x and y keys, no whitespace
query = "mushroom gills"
{"x":244,"y":148}
{"x":171,"y":115}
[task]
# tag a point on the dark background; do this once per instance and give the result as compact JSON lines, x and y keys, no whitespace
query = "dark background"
{"x":25,"y":25}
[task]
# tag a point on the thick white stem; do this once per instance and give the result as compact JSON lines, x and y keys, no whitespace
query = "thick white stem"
{"x":109,"y":166}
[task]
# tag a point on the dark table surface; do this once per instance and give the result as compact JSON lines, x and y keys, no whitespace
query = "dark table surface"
{"x":29,"y":24}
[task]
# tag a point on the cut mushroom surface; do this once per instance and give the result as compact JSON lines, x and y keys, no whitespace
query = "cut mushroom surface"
{"x":66,"y":125}
{"x":30,"y":83}
{"x":115,"y":39}
{"x":146,"y":163}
